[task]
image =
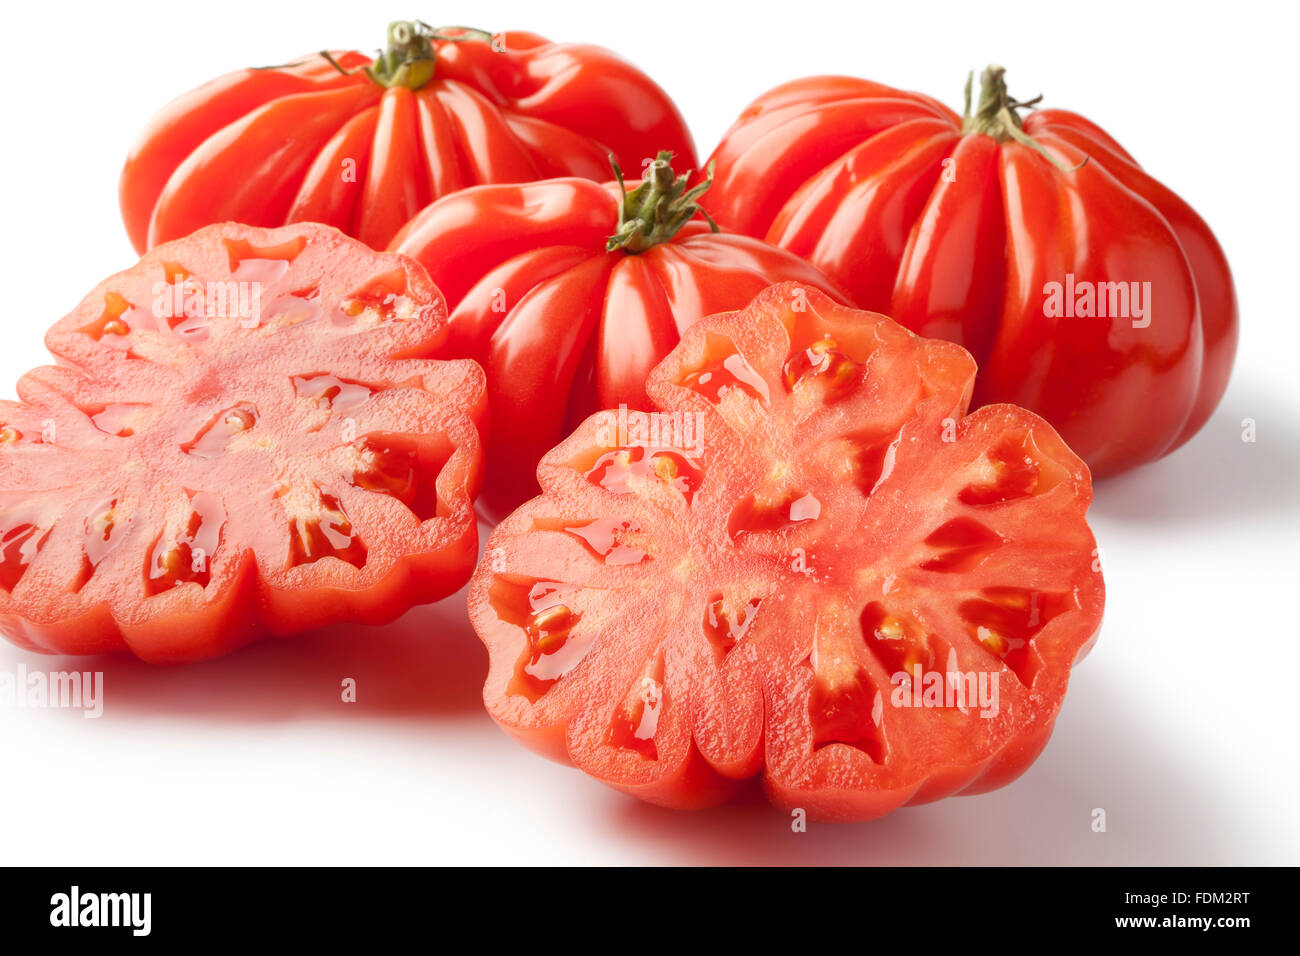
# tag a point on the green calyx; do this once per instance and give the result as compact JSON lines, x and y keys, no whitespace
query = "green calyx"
{"x":997,"y":115}
{"x":411,"y":56}
{"x":657,"y":209}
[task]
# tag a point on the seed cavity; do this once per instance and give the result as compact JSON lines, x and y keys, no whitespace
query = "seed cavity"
{"x":725,"y":626}
{"x":320,"y":528}
{"x":1004,"y":621}
{"x":541,"y":608}
{"x":626,"y":471}
{"x":215,"y":438}
{"x":822,"y":365}
{"x":1014,"y":468}
{"x":636,"y":721}
{"x":724,"y":370}
{"x":961,"y":543}
{"x":185,"y":556}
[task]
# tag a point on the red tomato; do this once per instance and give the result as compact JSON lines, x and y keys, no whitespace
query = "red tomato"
{"x":241,"y":439}
{"x":568,"y":293}
{"x":366,"y":144}
{"x":774,"y":573}
{"x":1086,"y":290}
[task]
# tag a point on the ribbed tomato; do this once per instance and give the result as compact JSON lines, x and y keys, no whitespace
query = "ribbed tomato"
{"x":242,"y":438}
{"x":568,"y":292}
{"x":808,"y":563}
{"x":364,"y":144}
{"x":1085,"y":289}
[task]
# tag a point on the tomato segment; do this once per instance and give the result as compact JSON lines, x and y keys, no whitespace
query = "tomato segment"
{"x":865,"y":595}
{"x":179,"y":494}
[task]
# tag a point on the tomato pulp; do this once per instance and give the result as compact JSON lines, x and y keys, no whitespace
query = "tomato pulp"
{"x":243,"y":437}
{"x":806,"y":563}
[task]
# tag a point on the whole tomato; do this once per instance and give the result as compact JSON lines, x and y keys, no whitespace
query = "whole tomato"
{"x":364,"y":144}
{"x":1086,"y":290}
{"x":568,"y":292}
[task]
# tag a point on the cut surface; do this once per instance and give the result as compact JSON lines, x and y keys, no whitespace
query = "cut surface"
{"x":243,"y":438}
{"x":842,"y":582}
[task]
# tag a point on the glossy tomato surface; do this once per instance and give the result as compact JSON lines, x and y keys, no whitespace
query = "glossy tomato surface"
{"x":1086,"y":290}
{"x":564,"y":325}
{"x":789,"y":570}
{"x":440,"y":110}
{"x":241,"y":439}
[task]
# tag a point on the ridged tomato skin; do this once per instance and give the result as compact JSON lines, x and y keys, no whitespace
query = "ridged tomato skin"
{"x":962,"y":234}
{"x":306,"y":142}
{"x":246,"y":436}
{"x":773,"y":599}
{"x":562,"y":325}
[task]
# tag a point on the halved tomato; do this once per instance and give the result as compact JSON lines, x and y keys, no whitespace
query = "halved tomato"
{"x":242,"y":438}
{"x":809,"y":563}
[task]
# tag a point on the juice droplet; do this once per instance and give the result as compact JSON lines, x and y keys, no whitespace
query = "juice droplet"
{"x":731,"y":371}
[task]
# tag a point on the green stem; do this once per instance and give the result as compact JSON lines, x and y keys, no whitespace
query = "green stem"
{"x":657,"y":209}
{"x":410,"y":57}
{"x":997,"y":115}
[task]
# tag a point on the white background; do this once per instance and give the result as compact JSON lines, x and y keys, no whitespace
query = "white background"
{"x":1182,"y":724}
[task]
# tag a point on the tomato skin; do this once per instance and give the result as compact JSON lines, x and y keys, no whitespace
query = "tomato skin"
{"x":184,"y":483}
{"x":561,"y":326}
{"x":533,"y":110}
{"x":765,"y":637}
{"x":909,"y":214}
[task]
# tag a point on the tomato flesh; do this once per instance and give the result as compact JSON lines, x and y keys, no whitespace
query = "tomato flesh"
{"x":242,"y":438}
{"x":847,"y":534}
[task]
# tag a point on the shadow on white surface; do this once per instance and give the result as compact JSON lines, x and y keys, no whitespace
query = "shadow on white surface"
{"x":1159,"y":812}
{"x":426,"y":664}
{"x":1217,"y":476}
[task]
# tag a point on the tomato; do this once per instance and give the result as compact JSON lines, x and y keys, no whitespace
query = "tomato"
{"x":364,"y":144}
{"x":773,"y":572}
{"x":1085,"y":289}
{"x":568,"y":292}
{"x":241,"y":438}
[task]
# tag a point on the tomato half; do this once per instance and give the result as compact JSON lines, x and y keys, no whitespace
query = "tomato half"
{"x":1085,"y":289}
{"x":774,"y":573}
{"x":241,"y":439}
{"x":568,"y":292}
{"x":364,"y":144}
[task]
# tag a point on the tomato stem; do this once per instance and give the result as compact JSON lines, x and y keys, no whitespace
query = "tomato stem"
{"x":657,"y":209}
{"x":411,"y":56}
{"x":997,"y":115}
